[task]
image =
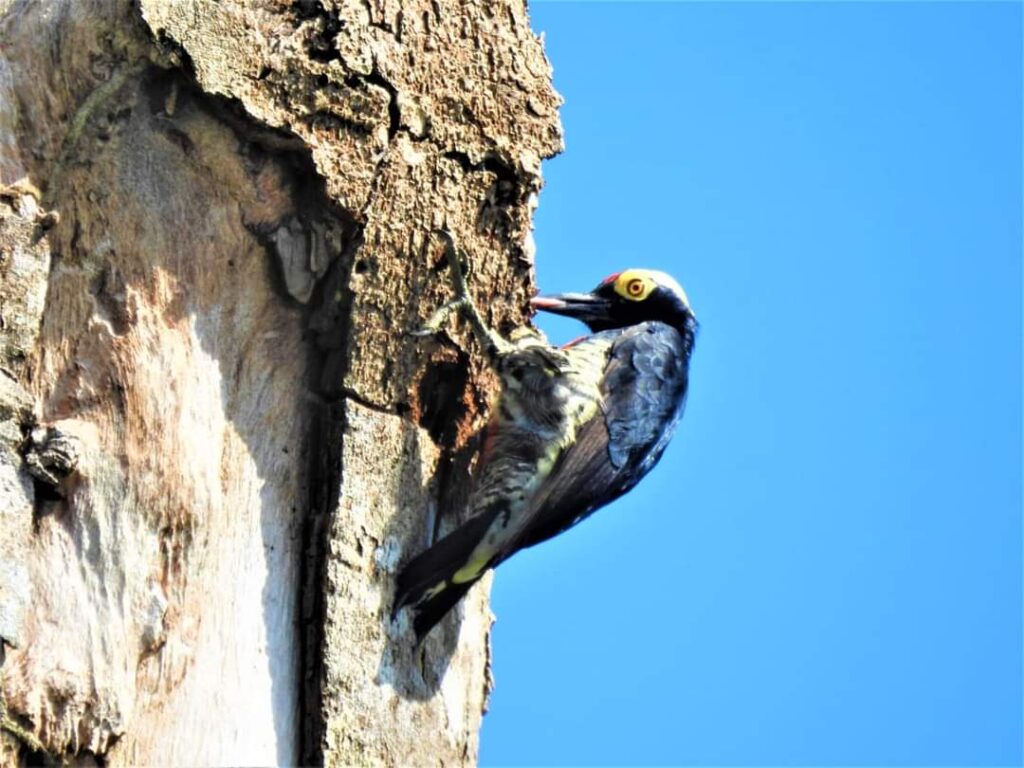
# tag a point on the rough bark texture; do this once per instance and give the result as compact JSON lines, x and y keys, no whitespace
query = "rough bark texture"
{"x":217,"y":440}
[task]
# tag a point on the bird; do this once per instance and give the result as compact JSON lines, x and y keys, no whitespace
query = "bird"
{"x":574,"y":427}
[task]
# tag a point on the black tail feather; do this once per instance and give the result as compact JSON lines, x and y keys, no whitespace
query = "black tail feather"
{"x":436,"y":566}
{"x":436,"y":608}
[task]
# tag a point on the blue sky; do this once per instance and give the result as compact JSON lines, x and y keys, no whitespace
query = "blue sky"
{"x":826,"y":566}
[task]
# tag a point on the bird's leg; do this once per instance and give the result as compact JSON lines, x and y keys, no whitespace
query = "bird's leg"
{"x":493,"y":344}
{"x":433,"y":325}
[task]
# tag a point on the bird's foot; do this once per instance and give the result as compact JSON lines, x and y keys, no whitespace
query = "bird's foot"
{"x":434,"y":323}
{"x":463,"y":304}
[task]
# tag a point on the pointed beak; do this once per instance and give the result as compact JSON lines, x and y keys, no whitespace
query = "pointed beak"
{"x":583,"y":306}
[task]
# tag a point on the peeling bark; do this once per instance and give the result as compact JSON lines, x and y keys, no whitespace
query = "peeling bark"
{"x":217,"y":439}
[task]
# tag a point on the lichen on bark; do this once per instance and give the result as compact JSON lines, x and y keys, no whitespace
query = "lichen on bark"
{"x":215,"y":331}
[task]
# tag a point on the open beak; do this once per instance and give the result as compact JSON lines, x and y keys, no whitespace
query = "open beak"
{"x":583,"y":306}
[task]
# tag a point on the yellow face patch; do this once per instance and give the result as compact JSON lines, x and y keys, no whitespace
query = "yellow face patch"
{"x":635,"y":284}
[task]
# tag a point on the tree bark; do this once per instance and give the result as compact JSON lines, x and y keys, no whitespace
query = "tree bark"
{"x":218,"y":440}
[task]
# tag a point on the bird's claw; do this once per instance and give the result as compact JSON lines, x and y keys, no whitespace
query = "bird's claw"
{"x":458,"y":264}
{"x":433,"y":325}
{"x":462,"y":304}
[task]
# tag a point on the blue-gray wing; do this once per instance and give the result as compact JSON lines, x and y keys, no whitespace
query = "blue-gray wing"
{"x":644,"y":386}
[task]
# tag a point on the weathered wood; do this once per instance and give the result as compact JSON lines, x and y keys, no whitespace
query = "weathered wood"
{"x":217,"y":439}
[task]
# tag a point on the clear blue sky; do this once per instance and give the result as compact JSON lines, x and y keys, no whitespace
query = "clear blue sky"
{"x":826,"y":566}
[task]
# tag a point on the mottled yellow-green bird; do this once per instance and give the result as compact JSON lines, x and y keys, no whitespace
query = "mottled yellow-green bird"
{"x":573,"y":429}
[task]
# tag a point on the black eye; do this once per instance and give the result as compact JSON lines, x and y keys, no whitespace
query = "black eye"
{"x":635,"y":287}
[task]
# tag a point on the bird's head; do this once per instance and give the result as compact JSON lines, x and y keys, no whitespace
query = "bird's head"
{"x":624,"y":299}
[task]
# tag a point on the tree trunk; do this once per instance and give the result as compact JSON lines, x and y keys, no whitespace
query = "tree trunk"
{"x":218,"y":440}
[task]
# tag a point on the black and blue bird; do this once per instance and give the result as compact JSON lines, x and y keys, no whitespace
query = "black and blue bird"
{"x":574,"y":428}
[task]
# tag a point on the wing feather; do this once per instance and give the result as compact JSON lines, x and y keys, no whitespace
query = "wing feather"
{"x":643,"y":386}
